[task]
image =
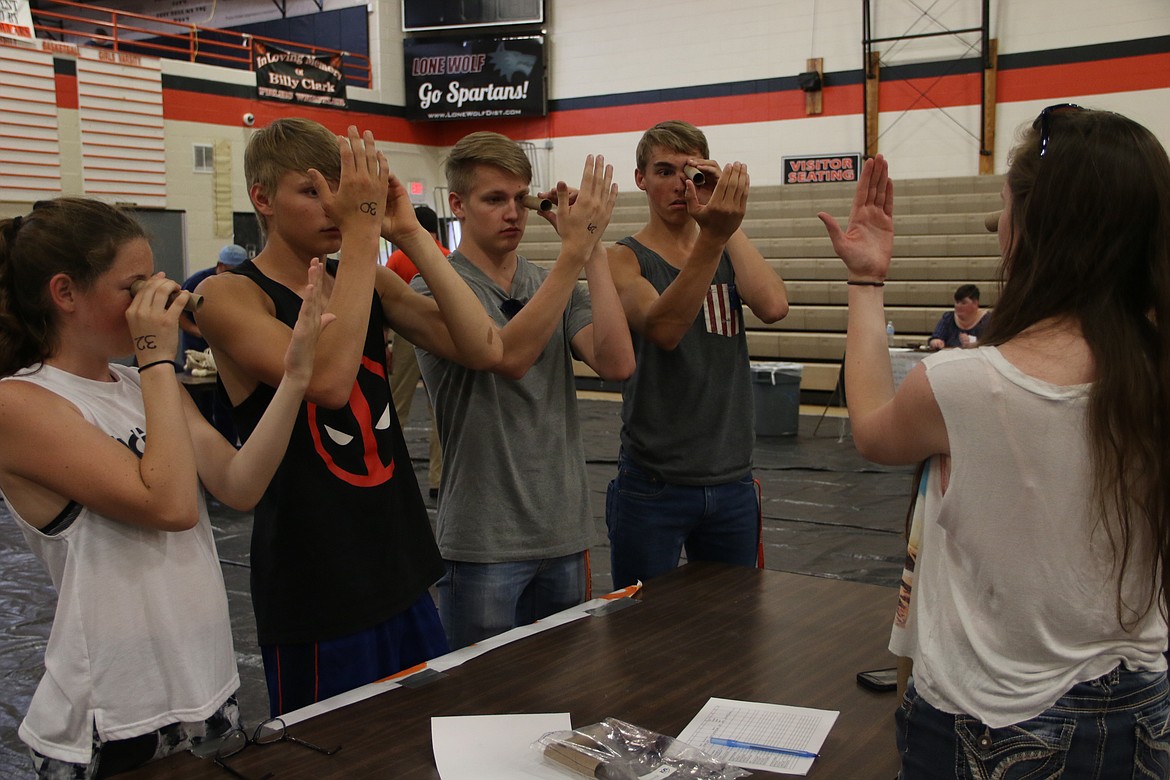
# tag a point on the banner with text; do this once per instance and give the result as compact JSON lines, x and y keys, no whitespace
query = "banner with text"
{"x":820,"y":168}
{"x":476,"y":79}
{"x":16,"y":20}
{"x":292,"y":77}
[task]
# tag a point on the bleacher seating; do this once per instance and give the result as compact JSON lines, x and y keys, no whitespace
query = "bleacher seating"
{"x":940,"y":243}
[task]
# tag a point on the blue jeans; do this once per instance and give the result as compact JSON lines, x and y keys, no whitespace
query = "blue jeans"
{"x":480,"y":600}
{"x":1111,"y":728}
{"x":651,"y":521}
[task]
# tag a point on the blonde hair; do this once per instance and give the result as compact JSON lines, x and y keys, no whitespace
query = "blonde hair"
{"x":675,"y":135}
{"x":484,"y":148}
{"x":291,"y":144}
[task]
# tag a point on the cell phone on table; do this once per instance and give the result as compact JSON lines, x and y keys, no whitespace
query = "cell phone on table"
{"x":879,"y":679}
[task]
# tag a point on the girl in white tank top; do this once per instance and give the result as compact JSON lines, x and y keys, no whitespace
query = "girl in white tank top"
{"x":103,"y":467}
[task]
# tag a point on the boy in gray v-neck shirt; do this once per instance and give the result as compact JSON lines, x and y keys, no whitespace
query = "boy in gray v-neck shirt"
{"x":514,"y":522}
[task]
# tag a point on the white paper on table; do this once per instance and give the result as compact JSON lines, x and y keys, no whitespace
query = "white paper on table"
{"x":494,"y":747}
{"x":798,"y":728}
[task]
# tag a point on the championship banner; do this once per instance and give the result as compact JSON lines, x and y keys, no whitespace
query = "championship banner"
{"x":820,"y":168}
{"x":477,"y":79}
{"x":16,"y":20}
{"x":291,"y":77}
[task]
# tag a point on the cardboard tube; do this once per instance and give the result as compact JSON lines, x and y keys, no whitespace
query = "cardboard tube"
{"x":695,"y":175}
{"x":193,"y":303}
{"x":991,"y":221}
{"x":537,"y":204}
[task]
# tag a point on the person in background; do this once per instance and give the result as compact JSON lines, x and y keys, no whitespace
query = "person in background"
{"x":1035,"y":611}
{"x":102,"y":469}
{"x":688,"y":423}
{"x":404,"y":371}
{"x":963,"y":326}
{"x":215,"y":406}
{"x":514,"y":525}
{"x":342,"y":550}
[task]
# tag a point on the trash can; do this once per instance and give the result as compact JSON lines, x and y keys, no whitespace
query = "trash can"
{"x":776,"y":390}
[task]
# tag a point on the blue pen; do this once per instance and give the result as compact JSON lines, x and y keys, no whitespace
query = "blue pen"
{"x":735,"y":743}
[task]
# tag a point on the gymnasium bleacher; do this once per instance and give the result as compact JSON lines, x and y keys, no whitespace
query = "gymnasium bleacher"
{"x":940,"y":243}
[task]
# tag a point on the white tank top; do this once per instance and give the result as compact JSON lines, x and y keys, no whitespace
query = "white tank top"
{"x":141,"y":635}
{"x":1014,"y":593}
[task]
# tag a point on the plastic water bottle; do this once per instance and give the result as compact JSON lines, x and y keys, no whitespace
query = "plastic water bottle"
{"x":890,"y":334}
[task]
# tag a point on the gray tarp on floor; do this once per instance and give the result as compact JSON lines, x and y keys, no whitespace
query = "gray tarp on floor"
{"x":826,"y":512}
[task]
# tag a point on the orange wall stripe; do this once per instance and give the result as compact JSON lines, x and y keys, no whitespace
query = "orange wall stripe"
{"x":183,"y":106}
{"x":1125,"y":74}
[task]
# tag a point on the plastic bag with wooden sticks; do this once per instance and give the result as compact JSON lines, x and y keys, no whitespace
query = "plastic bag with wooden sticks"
{"x":616,"y":750}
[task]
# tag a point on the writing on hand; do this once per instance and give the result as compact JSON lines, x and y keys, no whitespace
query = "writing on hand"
{"x":145,"y":342}
{"x":591,"y":227}
{"x":369,"y":207}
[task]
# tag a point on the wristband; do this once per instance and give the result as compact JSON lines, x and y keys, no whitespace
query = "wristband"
{"x":858,"y":283}
{"x":171,"y":363}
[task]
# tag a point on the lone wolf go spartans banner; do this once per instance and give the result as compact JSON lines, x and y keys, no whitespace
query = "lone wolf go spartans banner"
{"x":487,"y":77}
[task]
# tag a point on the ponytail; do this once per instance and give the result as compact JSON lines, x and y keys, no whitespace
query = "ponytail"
{"x":74,"y":236}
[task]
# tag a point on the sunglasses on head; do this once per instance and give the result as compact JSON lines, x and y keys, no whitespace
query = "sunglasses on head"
{"x":1043,"y":123}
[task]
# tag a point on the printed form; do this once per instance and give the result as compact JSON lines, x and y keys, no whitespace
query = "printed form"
{"x":777,"y":726}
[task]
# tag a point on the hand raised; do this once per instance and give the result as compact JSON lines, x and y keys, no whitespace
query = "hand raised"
{"x":154,"y":325}
{"x":711,"y":174}
{"x":557,"y":199}
{"x":724,"y":210}
{"x":868,"y":243}
{"x":358,"y":198}
{"x":398,"y":217}
{"x":312,"y":319}
{"x":582,"y":220}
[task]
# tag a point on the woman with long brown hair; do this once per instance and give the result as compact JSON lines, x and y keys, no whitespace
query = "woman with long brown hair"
{"x":1036,"y":622}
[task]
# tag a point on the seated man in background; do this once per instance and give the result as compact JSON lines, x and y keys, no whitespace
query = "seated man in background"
{"x":963,"y":326}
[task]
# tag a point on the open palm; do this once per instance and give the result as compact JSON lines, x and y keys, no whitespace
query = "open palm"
{"x":868,"y":243}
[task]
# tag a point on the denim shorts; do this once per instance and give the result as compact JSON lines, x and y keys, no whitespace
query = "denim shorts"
{"x":1110,"y":728}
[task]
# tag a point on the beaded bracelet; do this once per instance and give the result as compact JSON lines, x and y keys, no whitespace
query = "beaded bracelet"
{"x":171,"y":363}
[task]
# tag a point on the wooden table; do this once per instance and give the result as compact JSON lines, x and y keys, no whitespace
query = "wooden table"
{"x":704,"y":630}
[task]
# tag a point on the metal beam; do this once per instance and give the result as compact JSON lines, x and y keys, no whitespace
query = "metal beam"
{"x":871,"y":64}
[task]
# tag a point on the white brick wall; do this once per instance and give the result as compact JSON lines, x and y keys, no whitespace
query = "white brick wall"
{"x":614,"y":46}
{"x":603,"y":48}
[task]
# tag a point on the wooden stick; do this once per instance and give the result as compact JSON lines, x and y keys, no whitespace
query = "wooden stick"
{"x":578,"y":762}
